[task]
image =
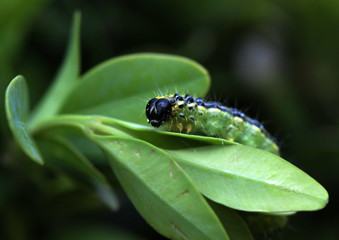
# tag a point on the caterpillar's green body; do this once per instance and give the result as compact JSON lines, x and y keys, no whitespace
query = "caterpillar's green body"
{"x":198,"y":117}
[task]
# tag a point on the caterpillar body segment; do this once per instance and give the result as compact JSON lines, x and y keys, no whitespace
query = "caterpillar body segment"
{"x":195,"y":116}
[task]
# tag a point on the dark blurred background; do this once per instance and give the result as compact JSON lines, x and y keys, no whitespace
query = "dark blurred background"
{"x":277,"y":61}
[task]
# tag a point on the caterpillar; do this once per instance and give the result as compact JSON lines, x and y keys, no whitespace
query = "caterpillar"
{"x":198,"y":117}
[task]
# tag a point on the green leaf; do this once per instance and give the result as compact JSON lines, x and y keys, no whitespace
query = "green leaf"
{"x":122,"y":86}
{"x":65,"y":80}
{"x":101,"y":124}
{"x":250,"y":179}
{"x":61,"y":154}
{"x":235,"y":226}
{"x":17,"y":107}
{"x":162,"y":139}
{"x":160,"y":190}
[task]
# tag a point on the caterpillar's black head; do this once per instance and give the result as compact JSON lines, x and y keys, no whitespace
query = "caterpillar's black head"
{"x":158,"y":111}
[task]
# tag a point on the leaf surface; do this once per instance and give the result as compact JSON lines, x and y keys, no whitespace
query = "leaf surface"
{"x":250,"y":179}
{"x":62,"y":155}
{"x":235,"y":226}
{"x":121,"y":87}
{"x":160,"y":190}
{"x":17,"y":107}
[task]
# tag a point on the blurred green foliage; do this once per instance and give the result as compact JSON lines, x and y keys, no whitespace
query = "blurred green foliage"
{"x":277,"y":58}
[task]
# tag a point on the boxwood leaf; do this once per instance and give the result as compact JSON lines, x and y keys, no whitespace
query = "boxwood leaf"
{"x":62,"y":155}
{"x":250,"y":179}
{"x":121,"y":87}
{"x":162,"y":139}
{"x":17,"y":107}
{"x":235,"y":226}
{"x":65,"y":79}
{"x":160,"y":190}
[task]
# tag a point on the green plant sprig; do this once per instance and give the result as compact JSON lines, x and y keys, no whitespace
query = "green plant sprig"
{"x":166,"y":175}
